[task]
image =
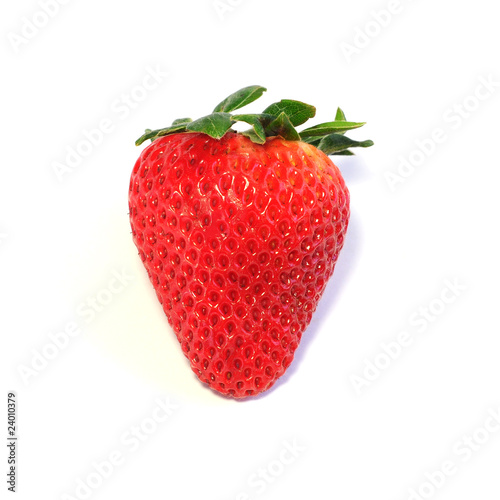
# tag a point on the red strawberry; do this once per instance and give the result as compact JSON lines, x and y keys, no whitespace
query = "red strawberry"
{"x":239,"y":233}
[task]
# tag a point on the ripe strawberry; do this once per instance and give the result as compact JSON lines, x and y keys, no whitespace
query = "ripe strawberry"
{"x":240,"y":232}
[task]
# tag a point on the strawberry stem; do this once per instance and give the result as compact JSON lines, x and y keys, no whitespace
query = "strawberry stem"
{"x":278,"y":119}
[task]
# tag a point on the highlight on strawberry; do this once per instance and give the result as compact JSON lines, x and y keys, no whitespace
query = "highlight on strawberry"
{"x":239,"y":232}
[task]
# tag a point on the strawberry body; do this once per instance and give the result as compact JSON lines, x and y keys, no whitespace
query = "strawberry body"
{"x":239,"y":240}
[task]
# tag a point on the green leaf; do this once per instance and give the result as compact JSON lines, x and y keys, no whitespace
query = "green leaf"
{"x":148,"y":131}
{"x":181,"y":120}
{"x":314,"y":141}
{"x":263,"y":118}
{"x":153,"y":134}
{"x":258,"y":122}
{"x":298,"y":112}
{"x":344,"y":153}
{"x":340,"y":116}
{"x":215,"y":125}
{"x":330,"y":128}
{"x":283,"y":127}
{"x":240,"y":98}
{"x":334,"y":143}
{"x":278,"y":119}
{"x":252,"y":135}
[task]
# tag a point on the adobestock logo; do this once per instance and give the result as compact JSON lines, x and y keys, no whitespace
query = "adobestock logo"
{"x":418,"y":322}
{"x":30,"y":28}
{"x":130,"y":441}
{"x":261,"y":479}
{"x":462,"y":451}
{"x":453,"y":118}
{"x":264,"y":476}
{"x":121,"y":108}
{"x":60,"y":340}
{"x":95,"y":304}
{"x":223,"y":7}
{"x":365,"y":34}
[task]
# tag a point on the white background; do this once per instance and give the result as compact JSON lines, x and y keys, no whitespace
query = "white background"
{"x":62,"y":240}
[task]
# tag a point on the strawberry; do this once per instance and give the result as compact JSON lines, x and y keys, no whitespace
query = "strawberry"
{"x":239,"y":233}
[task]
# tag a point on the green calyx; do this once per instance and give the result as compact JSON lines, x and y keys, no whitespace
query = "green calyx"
{"x":278,"y":119}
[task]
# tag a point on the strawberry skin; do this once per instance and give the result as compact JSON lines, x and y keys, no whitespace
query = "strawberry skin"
{"x":239,"y":240}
